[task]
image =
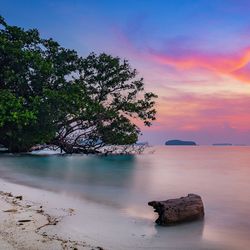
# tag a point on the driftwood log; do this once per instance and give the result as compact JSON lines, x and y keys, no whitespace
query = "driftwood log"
{"x":179,"y":210}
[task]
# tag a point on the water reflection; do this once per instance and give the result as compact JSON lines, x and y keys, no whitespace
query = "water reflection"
{"x":82,"y":169}
{"x":183,"y":236}
{"x":94,"y":178}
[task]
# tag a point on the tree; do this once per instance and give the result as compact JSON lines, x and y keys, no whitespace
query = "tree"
{"x":29,"y":68}
{"x":117,"y":99}
{"x":51,"y":95}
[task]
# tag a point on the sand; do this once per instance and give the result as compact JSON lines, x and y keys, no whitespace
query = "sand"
{"x":25,"y":224}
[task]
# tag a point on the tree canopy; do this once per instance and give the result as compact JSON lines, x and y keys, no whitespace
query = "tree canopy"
{"x":51,"y":95}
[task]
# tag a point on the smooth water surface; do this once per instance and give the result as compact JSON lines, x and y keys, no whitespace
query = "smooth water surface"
{"x":221,"y":175}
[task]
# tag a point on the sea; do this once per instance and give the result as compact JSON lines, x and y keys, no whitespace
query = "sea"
{"x":120,"y":187}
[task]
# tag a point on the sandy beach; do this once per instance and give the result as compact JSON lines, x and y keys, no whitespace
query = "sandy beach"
{"x":26,"y":224}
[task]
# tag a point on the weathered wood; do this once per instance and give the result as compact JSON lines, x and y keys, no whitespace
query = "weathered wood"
{"x":179,"y":210}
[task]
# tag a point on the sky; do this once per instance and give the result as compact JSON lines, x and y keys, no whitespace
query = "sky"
{"x":194,"y":54}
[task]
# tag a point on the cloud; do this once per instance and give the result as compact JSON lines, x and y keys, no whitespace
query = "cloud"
{"x":186,"y":54}
{"x":204,"y":118}
{"x":201,"y":94}
{"x":234,"y":65}
{"x":194,"y":112}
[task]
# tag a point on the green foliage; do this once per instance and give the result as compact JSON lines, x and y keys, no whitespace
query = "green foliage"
{"x":48,"y":94}
{"x":12,"y":110}
{"x":112,"y":83}
{"x":29,"y":67}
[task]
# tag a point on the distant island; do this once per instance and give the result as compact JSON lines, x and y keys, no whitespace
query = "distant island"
{"x":180,"y":143}
{"x":222,"y":144}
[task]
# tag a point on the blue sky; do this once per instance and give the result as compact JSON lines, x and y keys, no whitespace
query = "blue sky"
{"x":193,"y":53}
{"x":150,"y":21}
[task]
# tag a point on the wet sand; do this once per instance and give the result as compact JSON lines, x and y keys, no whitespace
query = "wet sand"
{"x":26,"y":224}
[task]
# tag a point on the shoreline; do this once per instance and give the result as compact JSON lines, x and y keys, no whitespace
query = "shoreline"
{"x":70,"y":221}
{"x":29,"y":224}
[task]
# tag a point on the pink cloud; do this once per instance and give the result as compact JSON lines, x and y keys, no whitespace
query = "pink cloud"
{"x":185,"y":58}
{"x":233,"y":65}
{"x":192,"y":112}
{"x":204,"y":118}
{"x":212,"y":114}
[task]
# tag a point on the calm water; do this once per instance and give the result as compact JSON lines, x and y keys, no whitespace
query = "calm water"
{"x":221,"y":175}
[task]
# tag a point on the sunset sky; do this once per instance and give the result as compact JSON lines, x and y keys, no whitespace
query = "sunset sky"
{"x":194,"y":54}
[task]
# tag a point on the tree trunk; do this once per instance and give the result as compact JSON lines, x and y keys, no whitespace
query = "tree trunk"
{"x":174,"y":211}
